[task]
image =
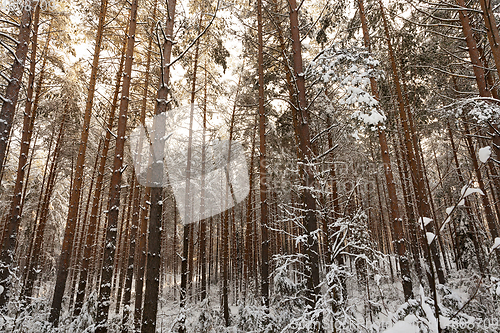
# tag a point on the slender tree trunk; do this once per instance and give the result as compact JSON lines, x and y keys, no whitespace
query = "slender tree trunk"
{"x":306,"y":150}
{"x":91,"y":236}
{"x":410,"y":213}
{"x":155,"y":232}
{"x":490,"y":218}
{"x":399,"y":238}
{"x":74,"y":201}
{"x":418,"y":183}
{"x":141,"y":258}
{"x":116,"y":178}
{"x":130,"y":260}
{"x":14,"y":216}
{"x":188,"y":239}
{"x":126,"y":232}
{"x":473,"y":51}
{"x":249,"y":223}
{"x":264,"y":220}
{"x":33,"y":266}
{"x":203,"y":222}
{"x":12,"y":93}
{"x":39,"y":204}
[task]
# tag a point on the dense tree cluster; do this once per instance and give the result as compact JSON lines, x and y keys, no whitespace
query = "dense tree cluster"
{"x":260,"y":166}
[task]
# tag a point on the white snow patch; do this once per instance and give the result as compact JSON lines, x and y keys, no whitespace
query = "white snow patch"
{"x":484,"y":154}
{"x":402,"y":327}
{"x":426,"y":221}
{"x":468,"y":191}
{"x":496,"y":245}
{"x":430,"y":237}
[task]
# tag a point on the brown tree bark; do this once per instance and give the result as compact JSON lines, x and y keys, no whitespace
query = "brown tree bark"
{"x":155,"y":232}
{"x":473,"y":51}
{"x":488,"y":211}
{"x":91,"y":237}
{"x":397,"y":221}
{"x":116,"y":178}
{"x":9,"y":240}
{"x":264,"y":220}
{"x":12,"y":91}
{"x":308,"y":199}
{"x":74,"y":201}
{"x":491,"y":29}
{"x":33,"y":266}
{"x":417,"y":174}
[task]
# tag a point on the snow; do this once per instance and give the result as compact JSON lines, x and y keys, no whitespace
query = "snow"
{"x":449,"y":210}
{"x":431,"y":320}
{"x":484,"y":154}
{"x":373,"y":118}
{"x":402,"y":327}
{"x":430,"y":237}
{"x":425,"y":220}
{"x":471,"y":190}
{"x":496,"y":244}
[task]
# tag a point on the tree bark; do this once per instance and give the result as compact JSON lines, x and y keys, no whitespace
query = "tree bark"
{"x":14,"y":216}
{"x":155,"y":232}
{"x":264,"y":220}
{"x":397,"y":221}
{"x":116,"y":178}
{"x":74,"y":201}
{"x":305,"y":147}
{"x":488,"y":211}
{"x":34,"y":264}
{"x":417,"y":175}
{"x":96,"y":200}
{"x":12,"y":90}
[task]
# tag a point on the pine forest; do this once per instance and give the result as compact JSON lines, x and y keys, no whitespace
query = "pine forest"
{"x":266,"y":166}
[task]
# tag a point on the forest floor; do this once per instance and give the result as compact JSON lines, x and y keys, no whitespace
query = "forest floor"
{"x":468,"y":303}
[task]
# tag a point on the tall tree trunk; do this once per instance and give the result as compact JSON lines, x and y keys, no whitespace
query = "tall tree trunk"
{"x":494,"y":41}
{"x":116,"y":178}
{"x":155,"y":232}
{"x":488,"y":211}
{"x":414,"y":233}
{"x":417,"y":178}
{"x":90,"y":241}
{"x":397,"y":221}
{"x":264,"y":220}
{"x":491,"y":29}
{"x":14,"y":216}
{"x":305,"y":147}
{"x":12,"y":93}
{"x":33,"y":266}
{"x":473,"y":51}
{"x":122,"y":261}
{"x":74,"y":201}
{"x":249,"y":223}
{"x":203,"y":222}
{"x":131,"y":256}
{"x":141,"y":258}
{"x":187,"y":253}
